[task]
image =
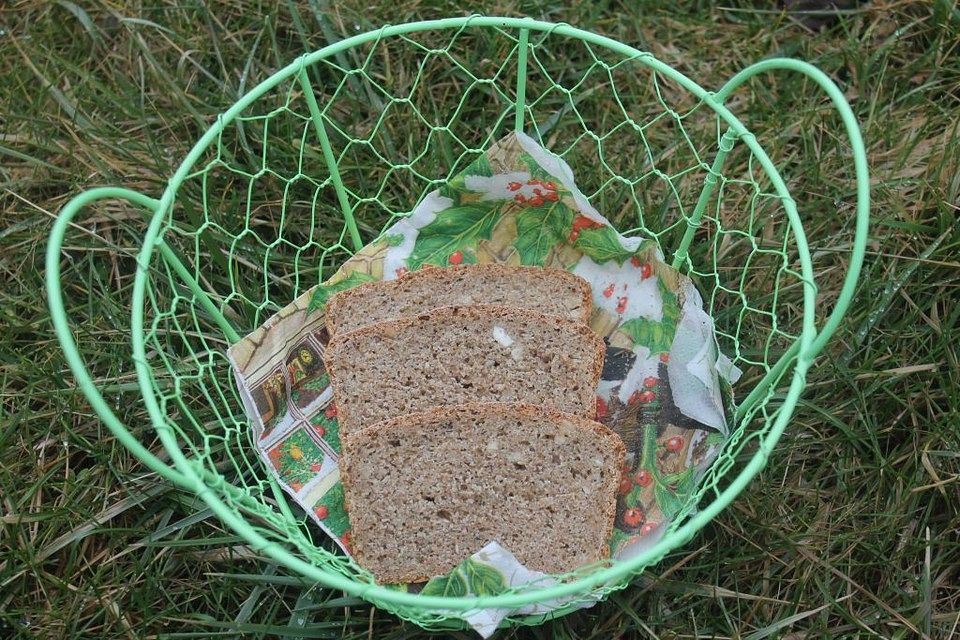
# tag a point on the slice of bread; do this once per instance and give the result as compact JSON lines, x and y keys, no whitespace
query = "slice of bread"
{"x":452,"y":355}
{"x":425,"y":491}
{"x":551,"y":291}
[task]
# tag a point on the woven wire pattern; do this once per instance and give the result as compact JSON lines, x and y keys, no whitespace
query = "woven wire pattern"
{"x":404,"y":114}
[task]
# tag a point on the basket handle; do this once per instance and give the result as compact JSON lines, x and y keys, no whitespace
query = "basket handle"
{"x":860,"y":166}
{"x":61,"y":327}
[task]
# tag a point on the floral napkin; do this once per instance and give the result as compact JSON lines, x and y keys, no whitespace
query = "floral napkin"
{"x":664,"y":386}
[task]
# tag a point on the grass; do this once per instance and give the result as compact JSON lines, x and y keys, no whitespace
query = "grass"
{"x":851,"y":531}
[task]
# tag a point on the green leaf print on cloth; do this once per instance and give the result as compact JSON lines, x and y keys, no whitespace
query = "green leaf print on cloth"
{"x":297,"y":459}
{"x":329,"y":509}
{"x":319,"y":383}
{"x":453,"y":229}
{"x":602,"y":244}
{"x":479,"y":167}
{"x":656,"y":336}
{"x":668,"y":500}
{"x":539,"y":228}
{"x":457,"y":185}
{"x":324,"y":291}
{"x":482,"y":579}
{"x":470,"y":577}
{"x":671,"y":307}
{"x":451,"y":585}
{"x":326,"y":427}
{"x":536,"y":171}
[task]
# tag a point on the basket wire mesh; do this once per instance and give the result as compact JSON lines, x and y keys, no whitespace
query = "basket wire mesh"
{"x":332,"y":149}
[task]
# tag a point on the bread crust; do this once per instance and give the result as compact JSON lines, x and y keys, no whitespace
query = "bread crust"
{"x":437,"y":276}
{"x":354,"y":446}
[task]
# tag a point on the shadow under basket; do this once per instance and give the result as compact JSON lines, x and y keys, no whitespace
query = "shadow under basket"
{"x":329,"y":151}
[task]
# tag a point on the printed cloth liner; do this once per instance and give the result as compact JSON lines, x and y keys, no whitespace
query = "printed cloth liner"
{"x":664,"y":386}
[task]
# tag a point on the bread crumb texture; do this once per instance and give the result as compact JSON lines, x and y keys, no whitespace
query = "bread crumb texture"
{"x":426,"y":491}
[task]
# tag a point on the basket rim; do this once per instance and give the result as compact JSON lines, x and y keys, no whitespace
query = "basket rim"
{"x":801,"y":354}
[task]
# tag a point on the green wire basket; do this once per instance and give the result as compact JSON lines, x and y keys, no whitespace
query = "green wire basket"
{"x":330,"y":150}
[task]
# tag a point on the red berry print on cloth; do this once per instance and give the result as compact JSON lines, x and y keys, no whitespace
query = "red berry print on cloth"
{"x":602,"y":408}
{"x":583,"y":222}
{"x":647,"y":528}
{"x":329,"y":509}
{"x":643,"y":397}
{"x":650,"y":382}
{"x":635,"y":261}
{"x":621,"y":304}
{"x":542,"y":227}
{"x":643,"y":478}
{"x":345,"y":539}
{"x":456,"y":258}
{"x":580,"y":222}
{"x":609,"y":290}
{"x":325,"y":426}
{"x":625,"y":486}
{"x":633,"y":517}
{"x":664,"y":358}
{"x":646,"y":271}
{"x":275,"y":456}
{"x":674,"y":444}
{"x":537,"y":196}
{"x":456,"y":227}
